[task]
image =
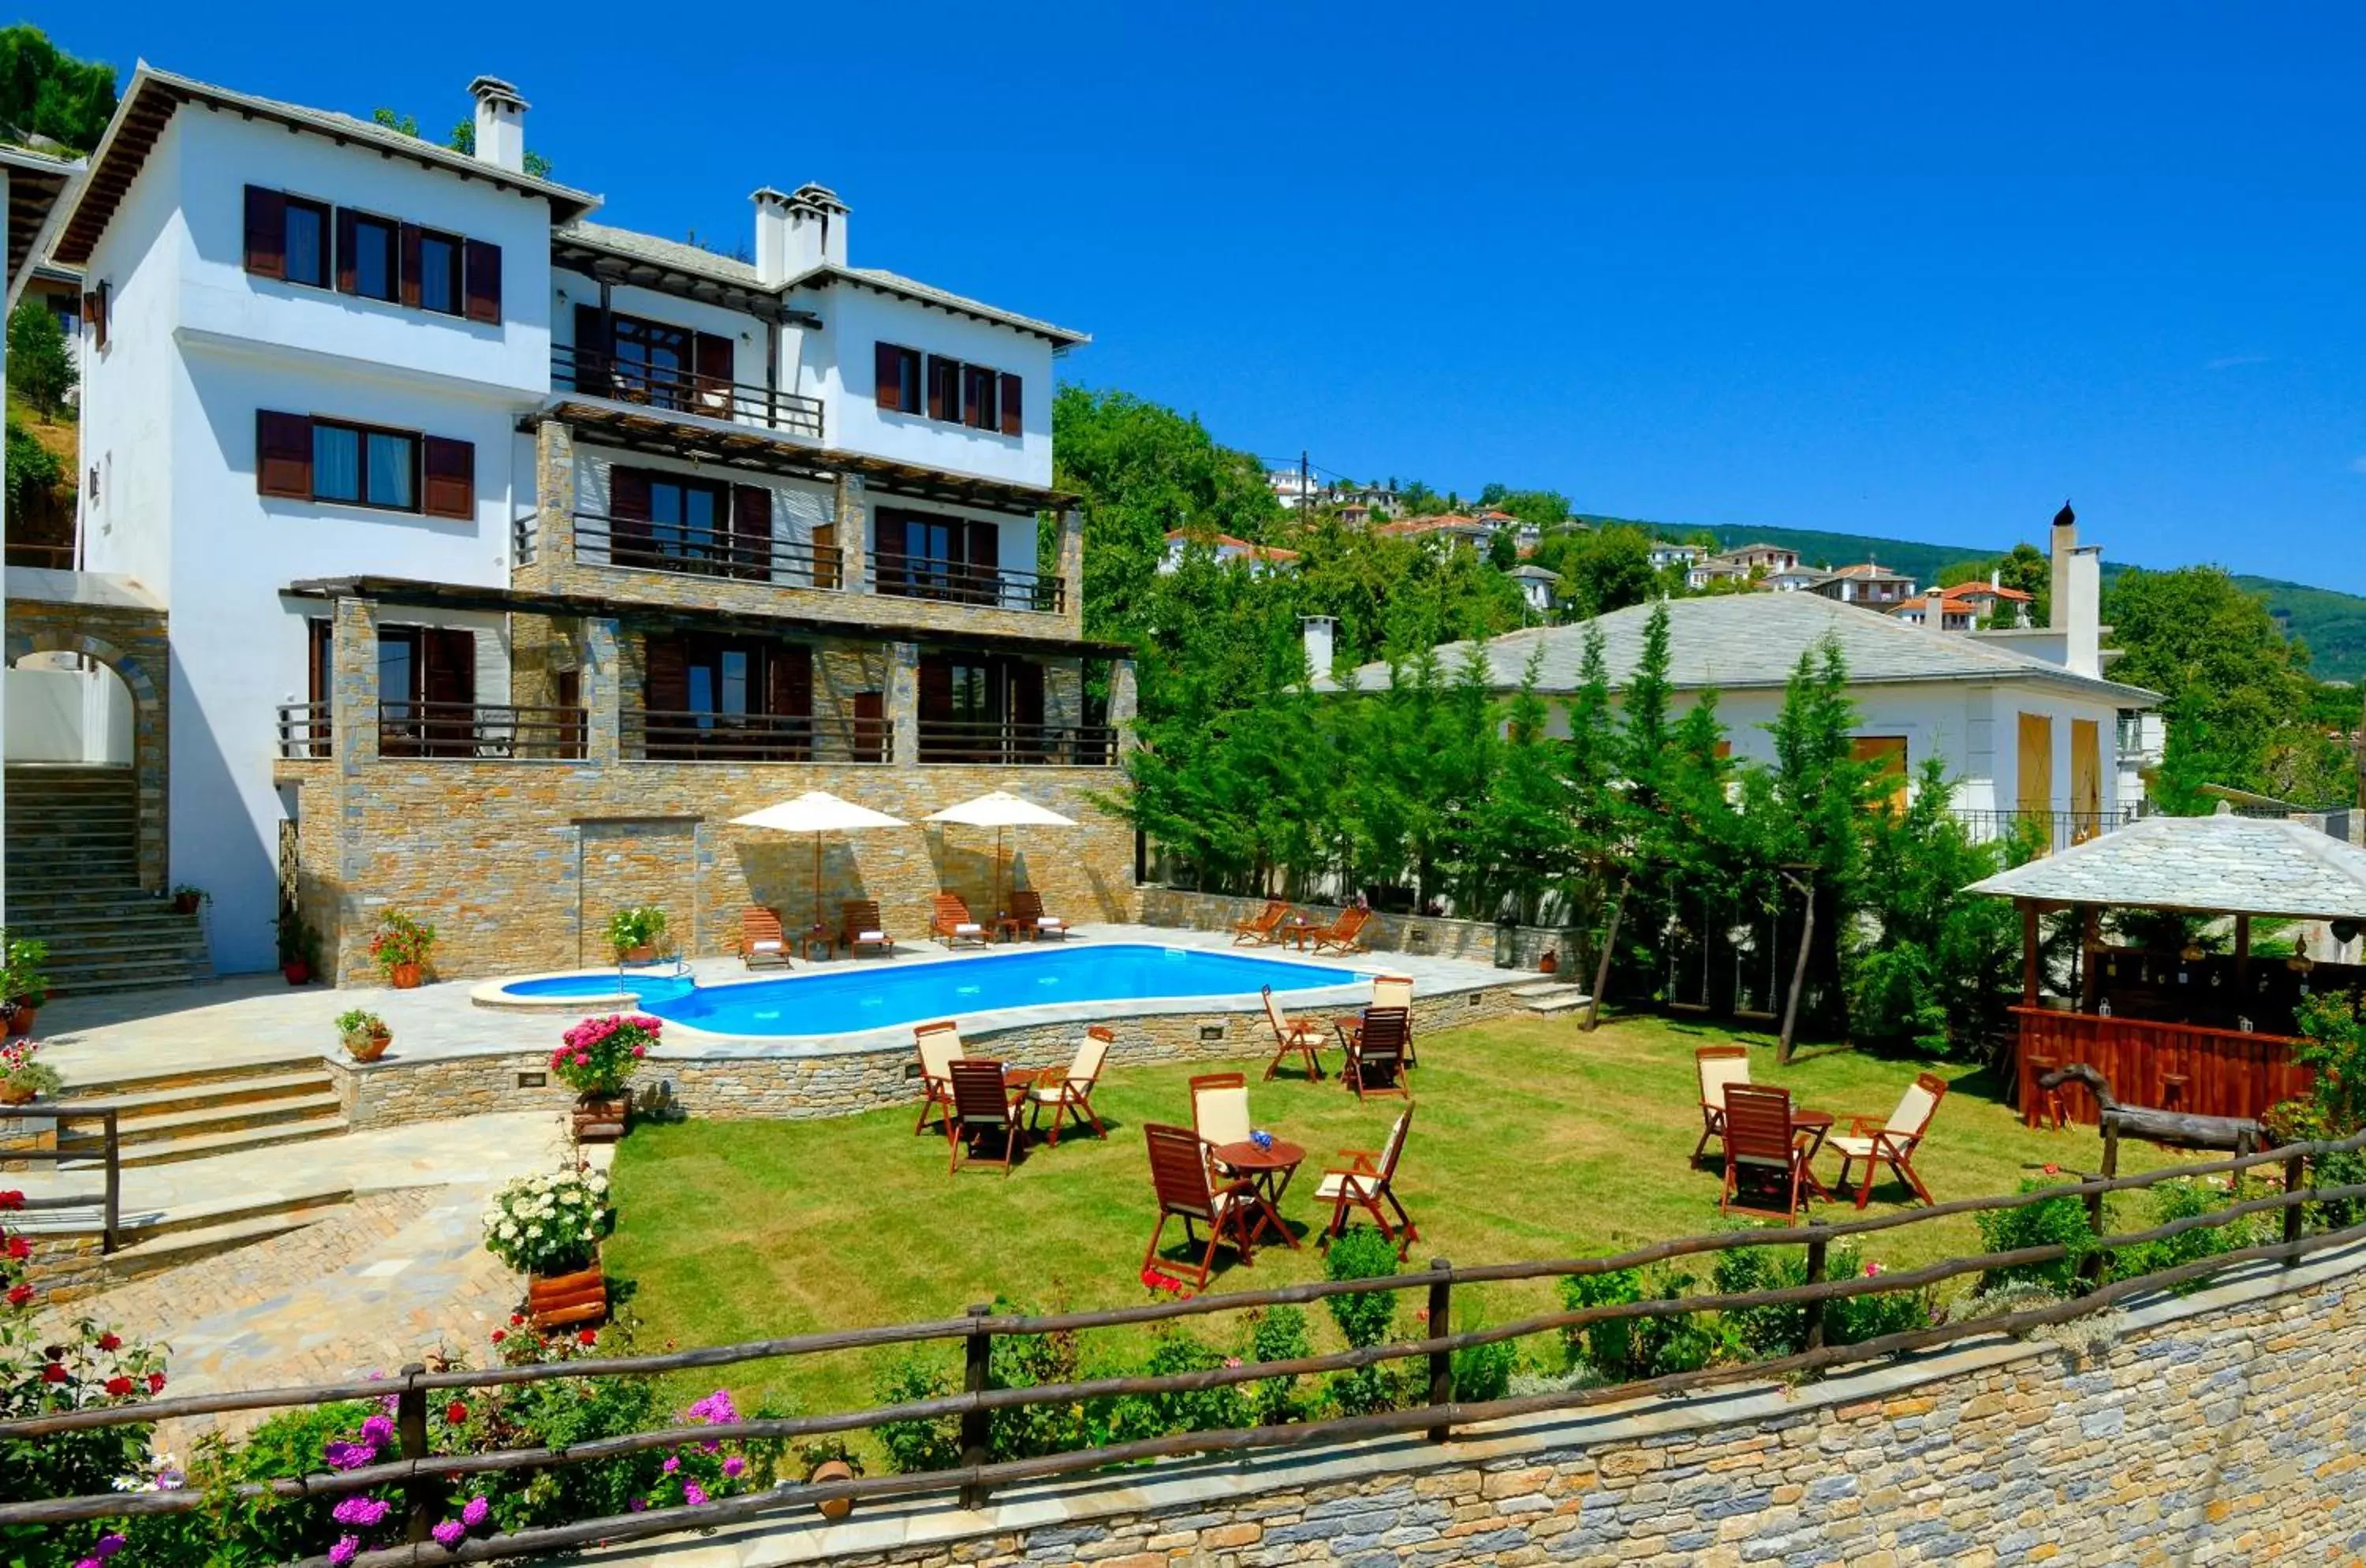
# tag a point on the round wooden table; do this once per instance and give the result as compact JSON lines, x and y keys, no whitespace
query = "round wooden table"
{"x":1816,"y":1126}
{"x":1267,"y":1171}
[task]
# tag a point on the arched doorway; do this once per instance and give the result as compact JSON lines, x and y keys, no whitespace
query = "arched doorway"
{"x":67,"y":709}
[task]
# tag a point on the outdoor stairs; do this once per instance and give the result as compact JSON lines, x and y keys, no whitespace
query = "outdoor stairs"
{"x":72,"y":848}
{"x":1551,"y":996}
{"x":204,"y":1112}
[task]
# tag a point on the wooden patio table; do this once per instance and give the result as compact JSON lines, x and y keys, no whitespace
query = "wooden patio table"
{"x":1268,"y":1171}
{"x":1817,"y":1126}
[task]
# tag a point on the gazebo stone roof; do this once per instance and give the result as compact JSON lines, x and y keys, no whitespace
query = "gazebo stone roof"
{"x":2221,"y":864}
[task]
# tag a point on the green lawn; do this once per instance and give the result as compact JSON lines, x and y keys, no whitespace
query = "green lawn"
{"x":1532,"y":1140}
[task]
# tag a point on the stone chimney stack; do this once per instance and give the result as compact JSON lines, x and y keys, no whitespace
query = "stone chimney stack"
{"x":773,"y":237}
{"x":1319,"y":631}
{"x":816,"y":229}
{"x":2077,"y":591}
{"x":501,"y":124}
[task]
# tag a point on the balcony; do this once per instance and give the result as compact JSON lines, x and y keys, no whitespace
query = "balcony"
{"x":952,"y":582}
{"x":692,"y":551}
{"x":304,"y":732}
{"x":469,"y":732}
{"x":657,"y":737}
{"x":1007,"y":742}
{"x":2051,"y":830}
{"x":671,"y":390}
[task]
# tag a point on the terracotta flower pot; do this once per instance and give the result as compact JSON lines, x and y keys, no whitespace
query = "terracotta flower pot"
{"x":185,"y":903}
{"x":297,"y":972}
{"x":824,"y":1472}
{"x":16,"y":1094}
{"x":20,"y":1020}
{"x":1550,"y":963}
{"x":640,"y":955}
{"x":600,"y":1118}
{"x":555,"y":1300}
{"x":403,"y":976}
{"x":369,"y":1047}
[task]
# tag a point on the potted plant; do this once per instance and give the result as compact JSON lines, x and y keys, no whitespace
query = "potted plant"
{"x":400,"y":948}
{"x":23,"y":986}
{"x":597,"y":1059}
{"x":22,"y":1078}
{"x":364,"y":1034}
{"x":186,"y":900}
{"x":635,"y":933}
{"x":548,"y":1228}
{"x":300,"y":947}
{"x":826,"y":1460}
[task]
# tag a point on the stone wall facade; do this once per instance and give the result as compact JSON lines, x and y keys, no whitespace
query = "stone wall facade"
{"x":393,"y":1090}
{"x":2219,"y":1427}
{"x":1477,"y":941}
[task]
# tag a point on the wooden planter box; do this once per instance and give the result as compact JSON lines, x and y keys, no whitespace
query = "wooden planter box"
{"x":562,"y":1301}
{"x":600,"y":1121}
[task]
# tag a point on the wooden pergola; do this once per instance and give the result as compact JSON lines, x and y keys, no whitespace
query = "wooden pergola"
{"x":2207,"y":1034}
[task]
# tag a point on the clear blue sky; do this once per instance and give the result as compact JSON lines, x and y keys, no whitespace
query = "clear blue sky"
{"x":1818,"y":266}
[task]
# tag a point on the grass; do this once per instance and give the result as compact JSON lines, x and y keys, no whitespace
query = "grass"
{"x":1532,"y":1141}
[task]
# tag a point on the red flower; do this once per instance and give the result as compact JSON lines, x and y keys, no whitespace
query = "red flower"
{"x":19,"y":1294}
{"x":499,"y":1334}
{"x":118,"y":1385}
{"x":155,"y":1382}
{"x":12,"y":1201}
{"x":517,"y":1320}
{"x":455,"y":1413}
{"x":19,"y":1248}
{"x":52,"y":1371}
{"x":588,"y":1336}
{"x":640,"y":1050}
{"x":110,"y":1341}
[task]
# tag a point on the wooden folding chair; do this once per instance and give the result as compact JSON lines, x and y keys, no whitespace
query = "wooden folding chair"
{"x":1368,"y":1183}
{"x":1260,"y":927}
{"x":859,"y":925}
{"x":1075,"y":1091}
{"x":1298,"y":1037}
{"x":1220,"y":1108}
{"x":1716,"y":1066}
{"x":1375,"y":1063}
{"x":951,"y":924}
{"x":761,"y":942}
{"x":1026,"y":908}
{"x":1388,"y":991}
{"x":940,"y":1046}
{"x":1763,"y":1163}
{"x":982,"y":1110}
{"x":1187,"y":1189}
{"x":1892,"y":1143}
{"x":1344,"y":934}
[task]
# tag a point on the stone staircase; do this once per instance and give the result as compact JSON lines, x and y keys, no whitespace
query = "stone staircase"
{"x":1550,"y":997}
{"x":72,"y":852}
{"x":203,"y":1112}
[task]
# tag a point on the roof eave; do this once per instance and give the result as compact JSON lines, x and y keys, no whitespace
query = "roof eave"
{"x":952,"y":304}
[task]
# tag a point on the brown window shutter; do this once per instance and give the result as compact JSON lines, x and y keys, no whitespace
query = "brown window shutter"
{"x":448,"y":665}
{"x":267,"y":233}
{"x":482,"y":263}
{"x":348,"y":240}
{"x":283,"y":454}
{"x":409,"y":288}
{"x":752,"y":532}
{"x":1012,"y":423}
{"x":792,"y":681}
{"x":1026,"y":693}
{"x":978,"y":397}
{"x":665,"y":677}
{"x":984,"y":545}
{"x":936,"y":686}
{"x":887,"y":370}
{"x":944,"y":388}
{"x":713,"y":358}
{"x":450,"y":490}
{"x":590,"y":351}
{"x":628,"y":502}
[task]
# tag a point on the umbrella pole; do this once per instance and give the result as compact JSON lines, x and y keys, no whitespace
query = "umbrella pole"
{"x":816,"y":881}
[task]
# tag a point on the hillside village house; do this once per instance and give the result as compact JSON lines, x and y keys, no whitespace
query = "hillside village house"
{"x":458,"y":553}
{"x":1868,"y":583}
{"x":2027,"y":729}
{"x":1228,"y":550}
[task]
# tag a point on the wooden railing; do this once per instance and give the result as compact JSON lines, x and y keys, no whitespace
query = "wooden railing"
{"x":60,"y":1150}
{"x":480,"y":732}
{"x":1005,"y":742}
{"x":603,"y":540}
{"x":2220,"y":1072}
{"x":955,"y":582}
{"x":660,"y":737}
{"x":304,"y":733}
{"x":684,"y":391}
{"x":425,"y":1477}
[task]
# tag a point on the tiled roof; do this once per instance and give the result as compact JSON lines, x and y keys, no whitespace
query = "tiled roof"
{"x":674,"y":254}
{"x":1228,"y":542}
{"x":2236,"y":865}
{"x":1739,"y":642}
{"x":928,"y":294}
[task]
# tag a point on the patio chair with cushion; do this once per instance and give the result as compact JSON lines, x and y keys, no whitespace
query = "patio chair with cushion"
{"x":982,"y":1112}
{"x":1188,"y":1190}
{"x":951,"y":924}
{"x":1026,"y":908}
{"x":1892,"y":1143}
{"x":1262,"y":926}
{"x":1388,"y":991}
{"x":1376,"y":1062}
{"x":859,"y":925}
{"x":1073,"y":1091}
{"x":761,"y":942}
{"x":1764,"y":1166}
{"x":1367,"y":1183}
{"x":940,"y":1045}
{"x":1297,"y":1037}
{"x":1717,"y":1066}
{"x":1220,"y":1108}
{"x":1343,"y":935}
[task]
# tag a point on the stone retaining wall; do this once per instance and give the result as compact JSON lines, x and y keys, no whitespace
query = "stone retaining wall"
{"x":392,"y":1090}
{"x":1480,"y":941}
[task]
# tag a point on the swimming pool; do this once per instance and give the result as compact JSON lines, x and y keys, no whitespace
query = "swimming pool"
{"x":844,"y":999}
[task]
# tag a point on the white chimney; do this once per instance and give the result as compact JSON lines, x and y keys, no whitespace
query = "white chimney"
{"x":772,"y":238}
{"x":501,"y":124}
{"x":816,"y":229}
{"x":2077,"y":590}
{"x":1318,"y":631}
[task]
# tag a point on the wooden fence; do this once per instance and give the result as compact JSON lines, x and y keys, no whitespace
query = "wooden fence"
{"x":105,"y":1151}
{"x":2217,"y":1072}
{"x":427,"y":1478}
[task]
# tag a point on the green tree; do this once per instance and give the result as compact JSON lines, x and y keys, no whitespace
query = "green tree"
{"x":41,"y":369}
{"x":33,"y":469}
{"x":46,"y":92}
{"x":1605,"y":568}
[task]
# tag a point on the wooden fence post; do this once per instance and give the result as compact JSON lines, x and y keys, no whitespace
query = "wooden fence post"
{"x":113,"y":1220}
{"x":975,"y":1424}
{"x":2295,"y":1178}
{"x":1816,"y":1256}
{"x":419,"y":1493}
{"x":1441,"y":1362}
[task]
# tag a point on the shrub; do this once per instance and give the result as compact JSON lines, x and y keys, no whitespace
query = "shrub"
{"x":642,"y":925}
{"x":600,"y":1056}
{"x":1482,"y":1372}
{"x":916,"y":1444}
{"x":1190,"y":1410}
{"x":549,"y":1225}
{"x":1765,"y":1333}
{"x":1278,"y":1333}
{"x":2174,"y":1201}
{"x":22,"y":1074}
{"x":359,"y":1020}
{"x":1625,"y":1348}
{"x":2046,"y":1223}
{"x":399,"y":941}
{"x":1362,"y":1253}
{"x":22,"y":976}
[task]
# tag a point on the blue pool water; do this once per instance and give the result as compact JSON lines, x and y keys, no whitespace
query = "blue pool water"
{"x":846,"y":998}
{"x":650,"y":988}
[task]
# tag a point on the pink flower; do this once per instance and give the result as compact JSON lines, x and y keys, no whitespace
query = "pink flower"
{"x":694,"y":1493}
{"x":671,"y":1464}
{"x":106,"y":1546}
{"x":637,"y":1504}
{"x":378,"y":1430}
{"x":360,"y":1510}
{"x":450,"y":1533}
{"x":346,"y":1549}
{"x":1871,"y":1270}
{"x":734,"y":1466}
{"x":1232,"y":1360}
{"x":474,"y":1513}
{"x":349,"y":1456}
{"x":640,"y":1051}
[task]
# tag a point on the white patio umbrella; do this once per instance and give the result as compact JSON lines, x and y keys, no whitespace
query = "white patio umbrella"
{"x":998,"y":810}
{"x":818,"y":812}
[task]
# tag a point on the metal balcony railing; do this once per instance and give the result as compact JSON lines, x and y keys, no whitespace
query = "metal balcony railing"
{"x":662,"y":736}
{"x":304,"y":731}
{"x":601,"y":539}
{"x":2054,"y":829}
{"x":952,"y":582}
{"x":1004,"y":741}
{"x":481,"y":731}
{"x":677,"y":390}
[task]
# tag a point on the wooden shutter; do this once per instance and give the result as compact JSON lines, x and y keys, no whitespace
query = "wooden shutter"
{"x":870,"y":727}
{"x":1026,"y":707}
{"x":713,"y":360}
{"x":944,"y":388}
{"x":629,"y":511}
{"x":348,"y":242}
{"x":450,"y":487}
{"x":320,"y":658}
{"x":447,"y":664}
{"x":1886,"y":755}
{"x":482,"y":262}
{"x":887,"y":552}
{"x":790,"y":679}
{"x":752,"y":532}
{"x":1012,"y":423}
{"x":283,"y":454}
{"x":936,"y":687}
{"x":984,"y":555}
{"x":267,"y":233}
{"x":2034,"y":790}
{"x":591,"y":349}
{"x":408,"y":289}
{"x":887,"y":370}
{"x":2086,"y":777}
{"x":665,"y":675}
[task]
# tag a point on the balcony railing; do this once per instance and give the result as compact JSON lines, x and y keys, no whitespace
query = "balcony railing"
{"x":1004,"y":741}
{"x":52,"y":556}
{"x":678,"y":391}
{"x":304,"y":731}
{"x":2054,"y":831}
{"x":526,"y":538}
{"x":661,"y":736}
{"x":601,"y":539}
{"x":481,"y":731}
{"x":952,"y":582}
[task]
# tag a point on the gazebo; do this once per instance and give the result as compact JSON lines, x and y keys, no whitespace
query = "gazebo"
{"x":2189,"y":1030}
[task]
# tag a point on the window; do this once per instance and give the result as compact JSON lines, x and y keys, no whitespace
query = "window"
{"x":305,"y":458}
{"x":957,"y":393}
{"x":898,"y":371}
{"x":368,"y":261}
{"x":305,"y":244}
{"x":977,"y":399}
{"x":436,"y":273}
{"x":298,"y":240}
{"x":944,"y":388}
{"x":924,"y":556}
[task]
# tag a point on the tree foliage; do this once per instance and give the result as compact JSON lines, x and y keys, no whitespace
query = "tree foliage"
{"x":41,"y":368}
{"x":46,"y":92}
